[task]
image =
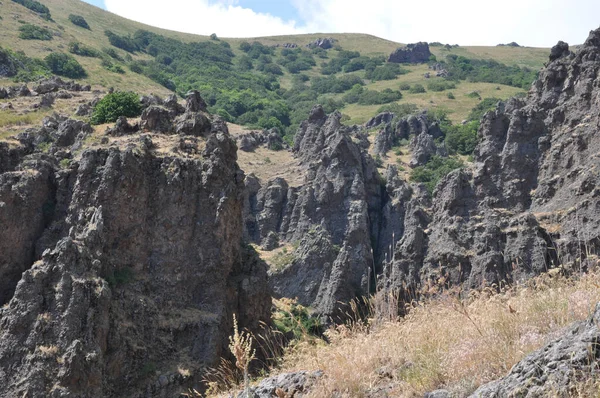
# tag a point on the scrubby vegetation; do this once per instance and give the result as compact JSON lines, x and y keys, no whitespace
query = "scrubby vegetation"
{"x":451,"y":340}
{"x":35,"y":6}
{"x":65,"y":65}
{"x":114,"y":105}
{"x":82,"y":50}
{"x":436,"y":169}
{"x":34,"y":32}
{"x":79,"y":21}
{"x":489,"y":71}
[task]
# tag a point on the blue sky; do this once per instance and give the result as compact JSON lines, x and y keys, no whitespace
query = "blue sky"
{"x":538,"y":23}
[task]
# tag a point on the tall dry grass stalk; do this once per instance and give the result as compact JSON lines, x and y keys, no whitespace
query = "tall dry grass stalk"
{"x":240,"y":345}
{"x":448,"y":341}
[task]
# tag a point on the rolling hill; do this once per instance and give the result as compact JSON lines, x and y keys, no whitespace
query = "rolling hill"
{"x":64,"y":32}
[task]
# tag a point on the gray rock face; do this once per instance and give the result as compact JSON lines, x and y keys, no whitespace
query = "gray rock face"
{"x":423,"y":148}
{"x":292,"y":384}
{"x":129,"y":259}
{"x":382,"y":118}
{"x":270,"y":139}
{"x":551,"y":370}
{"x":324,"y":43}
{"x":413,"y":125}
{"x":411,"y":54}
{"x":329,"y":217}
{"x":55,"y":83}
{"x":531,"y":194}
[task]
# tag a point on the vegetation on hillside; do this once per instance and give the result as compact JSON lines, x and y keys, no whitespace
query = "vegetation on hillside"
{"x":79,"y":21}
{"x":35,"y":6}
{"x":34,"y":32}
{"x":115,"y":105}
{"x":65,"y":65}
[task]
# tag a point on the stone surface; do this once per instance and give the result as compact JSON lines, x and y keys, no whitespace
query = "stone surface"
{"x":552,"y":370}
{"x":411,"y":54}
{"x":292,"y":384}
{"x":122,"y":265}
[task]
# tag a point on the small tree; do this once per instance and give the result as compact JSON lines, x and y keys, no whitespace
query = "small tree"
{"x":240,"y":345}
{"x":114,"y":105}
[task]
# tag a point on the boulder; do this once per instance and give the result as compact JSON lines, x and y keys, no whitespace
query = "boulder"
{"x":411,"y":54}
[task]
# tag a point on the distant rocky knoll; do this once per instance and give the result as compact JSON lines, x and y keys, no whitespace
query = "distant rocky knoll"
{"x":411,"y":54}
{"x":121,"y":259}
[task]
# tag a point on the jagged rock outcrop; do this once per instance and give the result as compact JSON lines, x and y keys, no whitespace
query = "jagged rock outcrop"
{"x":413,"y":125}
{"x":172,"y":118}
{"x":382,"y":118}
{"x":324,"y":43}
{"x":270,"y":139}
{"x":411,"y":54}
{"x":120,"y":271}
{"x":55,"y":83}
{"x":530,"y":202}
{"x":330,"y":216}
{"x":290,"y":384}
{"x":554,"y":369}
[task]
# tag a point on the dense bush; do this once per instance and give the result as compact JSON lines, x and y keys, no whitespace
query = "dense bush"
{"x":111,"y":52}
{"x":106,"y":64}
{"x":256,"y":49}
{"x":371,"y":97}
{"x":82,"y":50}
{"x":65,"y":65}
{"x":333,"y":84}
{"x":440,"y":85}
{"x":478,"y":70}
{"x":462,"y":138}
{"x":21,"y":67}
{"x":114,"y":105}
{"x":436,"y":169}
{"x":79,"y":21}
{"x":35,"y":6}
{"x":404,"y":86}
{"x":126,"y":43}
{"x":33,"y":32}
{"x":389,"y":71}
{"x":417,"y":89}
{"x":484,"y":106}
{"x":296,"y":60}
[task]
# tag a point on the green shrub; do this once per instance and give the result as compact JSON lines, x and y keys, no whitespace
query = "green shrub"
{"x":82,"y":50}
{"x":65,"y":65}
{"x":79,"y":21}
{"x":474,"y":94}
{"x":417,"y":89}
{"x":28,"y":69}
{"x":35,"y":6}
{"x":298,"y":322}
{"x":450,"y":95}
{"x":436,"y":169}
{"x":488,"y":104}
{"x":389,"y":71}
{"x":405,"y":87}
{"x":123,"y":42}
{"x":114,"y":105}
{"x":111,"y":52}
{"x":33,"y":32}
{"x":462,"y":138}
{"x":400,"y":110}
{"x":440,"y":85}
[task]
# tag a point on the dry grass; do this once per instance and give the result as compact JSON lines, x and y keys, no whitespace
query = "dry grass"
{"x":447,"y":342}
{"x":267,"y":164}
{"x":48,"y":351}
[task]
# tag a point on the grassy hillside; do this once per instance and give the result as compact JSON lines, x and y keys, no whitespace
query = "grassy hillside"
{"x":263,"y":84}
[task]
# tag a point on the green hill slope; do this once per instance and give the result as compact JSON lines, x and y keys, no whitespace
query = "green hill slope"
{"x":272,"y":86}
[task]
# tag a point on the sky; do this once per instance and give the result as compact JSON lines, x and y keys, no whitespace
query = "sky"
{"x":536,"y":23}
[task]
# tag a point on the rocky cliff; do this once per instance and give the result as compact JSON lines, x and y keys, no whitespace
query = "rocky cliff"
{"x":121,"y":258}
{"x":530,"y":201}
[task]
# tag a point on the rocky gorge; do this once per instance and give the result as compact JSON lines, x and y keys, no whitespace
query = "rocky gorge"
{"x":135,"y":252}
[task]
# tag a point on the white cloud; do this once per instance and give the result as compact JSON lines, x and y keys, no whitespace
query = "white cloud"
{"x":465,"y":22}
{"x":225,"y":17}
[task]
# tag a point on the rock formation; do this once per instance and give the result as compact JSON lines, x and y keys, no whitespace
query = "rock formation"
{"x":411,"y":54}
{"x":530,"y":203}
{"x":552,"y":370}
{"x":120,"y":269}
